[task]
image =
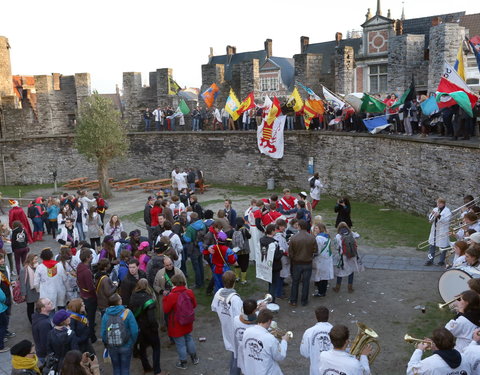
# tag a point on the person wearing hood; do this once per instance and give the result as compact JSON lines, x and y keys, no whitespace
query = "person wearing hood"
{"x":50,"y":279}
{"x":467,"y":319}
{"x":192,"y":246}
{"x":119,"y":354}
{"x":24,"y":359}
{"x":61,"y":338}
{"x":268,"y":244}
{"x":143,"y":305}
{"x":444,"y":360}
{"x":228,"y":304}
{"x":41,"y":326}
{"x":17,"y":213}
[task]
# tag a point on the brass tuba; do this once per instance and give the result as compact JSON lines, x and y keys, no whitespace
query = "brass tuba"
{"x":276,"y":331}
{"x":365,"y":336}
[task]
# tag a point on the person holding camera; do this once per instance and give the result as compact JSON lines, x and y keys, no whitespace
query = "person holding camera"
{"x":76,"y":363}
{"x":343,"y":210}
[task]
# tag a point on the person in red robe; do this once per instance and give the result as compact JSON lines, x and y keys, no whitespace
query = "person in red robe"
{"x":17,"y":213}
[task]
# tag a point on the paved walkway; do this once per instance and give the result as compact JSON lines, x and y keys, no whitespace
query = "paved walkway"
{"x":388,"y":262}
{"x":5,"y":363}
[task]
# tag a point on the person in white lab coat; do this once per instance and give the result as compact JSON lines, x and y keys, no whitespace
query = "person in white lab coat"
{"x":338,"y":361}
{"x":261,"y":349}
{"x":445,"y":359}
{"x":316,"y":339}
{"x":440,"y":220}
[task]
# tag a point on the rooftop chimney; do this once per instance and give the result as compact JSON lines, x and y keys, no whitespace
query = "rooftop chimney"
{"x":338,"y":37}
{"x":436,"y":21}
{"x":231,"y":50}
{"x":268,"y":47}
{"x":389,"y":14}
{"x":379,"y":8}
{"x":398,"y":27}
{"x":211,"y":52}
{"x":304,"y":41}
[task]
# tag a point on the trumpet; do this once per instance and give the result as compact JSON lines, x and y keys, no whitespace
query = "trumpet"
{"x":267,"y":299}
{"x":443,"y":305}
{"x":276,"y":331}
{"x":413,"y":340}
{"x":365,"y":336}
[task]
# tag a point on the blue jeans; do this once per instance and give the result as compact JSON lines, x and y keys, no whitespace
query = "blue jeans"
{"x":300,"y":272}
{"x":185,"y":345}
{"x":172,"y":124}
{"x":158,"y":125}
{"x":147,"y":123}
{"x":246,"y":126}
{"x":431,"y":254}
{"x":302,"y":122}
{"x":290,"y":122}
{"x":197,"y":263}
{"x":225,"y":122}
{"x":37,"y":224}
{"x":121,"y":357}
{"x":81,"y":234}
{"x":217,"y":281}
{"x":350,"y":279}
{"x":196,"y":124}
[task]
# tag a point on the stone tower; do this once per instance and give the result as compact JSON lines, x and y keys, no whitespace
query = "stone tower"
{"x":6,"y":84}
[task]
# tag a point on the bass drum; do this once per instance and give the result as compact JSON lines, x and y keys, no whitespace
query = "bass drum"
{"x":455,"y":281}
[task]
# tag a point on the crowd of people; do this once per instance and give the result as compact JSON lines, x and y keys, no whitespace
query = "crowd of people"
{"x":135,"y":285}
{"x":407,"y":119}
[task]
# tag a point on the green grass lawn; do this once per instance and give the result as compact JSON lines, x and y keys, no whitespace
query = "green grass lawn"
{"x":19,"y":191}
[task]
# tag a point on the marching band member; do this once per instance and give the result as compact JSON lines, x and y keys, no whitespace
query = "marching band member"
{"x":472,"y":353}
{"x":256,"y":229}
{"x":444,"y":360}
{"x":323,"y":262}
{"x":228,"y":304}
{"x":459,"y":259}
{"x":470,"y":221}
{"x":467,"y":320}
{"x":316,"y":339}
{"x":288,"y":205}
{"x":281,"y":238}
{"x":271,"y":215}
{"x":261,"y":349}
{"x":240,"y":323}
{"x":439,"y":232}
{"x":472,"y":256}
{"x":338,"y":361}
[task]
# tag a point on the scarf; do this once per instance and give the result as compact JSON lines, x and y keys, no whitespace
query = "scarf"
{"x":31,"y":276}
{"x":248,"y":319}
{"x":20,"y":363}
{"x":79,"y":317}
{"x":50,"y":263}
{"x":4,"y":278}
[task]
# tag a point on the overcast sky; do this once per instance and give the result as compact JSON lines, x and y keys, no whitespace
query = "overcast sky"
{"x":106,"y":37}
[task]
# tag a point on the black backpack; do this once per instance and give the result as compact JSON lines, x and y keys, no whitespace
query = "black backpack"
{"x":312,"y":182}
{"x":156,"y":264}
{"x":32,"y":211}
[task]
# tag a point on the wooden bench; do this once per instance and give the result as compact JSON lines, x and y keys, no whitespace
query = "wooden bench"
{"x":76,"y":182}
{"x":123,"y":183}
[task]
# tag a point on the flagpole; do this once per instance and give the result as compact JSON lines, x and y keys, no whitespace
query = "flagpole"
{"x":335,"y":95}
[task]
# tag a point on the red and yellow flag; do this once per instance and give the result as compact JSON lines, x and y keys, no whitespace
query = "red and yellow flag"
{"x":311,"y":109}
{"x":275,"y":111}
{"x":248,"y":103}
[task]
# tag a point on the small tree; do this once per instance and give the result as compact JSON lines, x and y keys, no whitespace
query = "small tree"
{"x":101,"y":136}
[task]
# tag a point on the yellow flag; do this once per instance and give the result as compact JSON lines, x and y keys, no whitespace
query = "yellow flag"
{"x":459,"y":65}
{"x":232,"y":105}
{"x":295,"y":100}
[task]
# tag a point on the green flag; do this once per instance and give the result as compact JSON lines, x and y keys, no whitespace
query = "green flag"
{"x":408,"y":95}
{"x":372,"y":105}
{"x":460,"y":97}
{"x":184,"y":107}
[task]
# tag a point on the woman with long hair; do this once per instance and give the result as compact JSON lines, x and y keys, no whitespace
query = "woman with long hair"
{"x":467,"y":319}
{"x":108,"y":250}
{"x":323,"y":262}
{"x":27,"y":287}
{"x":142,"y":304}
{"x":343,"y":210}
{"x":80,"y":325}
{"x":114,"y":228}
{"x":94,"y":224}
{"x":76,"y":363}
{"x":70,"y":266}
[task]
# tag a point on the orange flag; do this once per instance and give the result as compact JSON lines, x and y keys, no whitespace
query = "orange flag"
{"x":274,"y":112}
{"x":247,"y":104}
{"x":210,"y":95}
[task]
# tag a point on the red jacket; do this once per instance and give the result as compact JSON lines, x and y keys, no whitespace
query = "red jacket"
{"x":169,"y":306}
{"x":16,"y":213}
{"x":270,"y":217}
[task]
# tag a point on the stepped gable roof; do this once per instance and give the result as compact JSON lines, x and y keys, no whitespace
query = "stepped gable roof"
{"x":327,"y":49}
{"x":421,"y":26}
{"x":287,"y":69}
{"x":230,"y":60}
{"x":472,"y":23}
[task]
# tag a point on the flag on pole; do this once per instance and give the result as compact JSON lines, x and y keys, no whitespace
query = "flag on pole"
{"x":248,"y":103}
{"x":408,"y":95}
{"x":446,"y":86}
{"x":372,"y":105}
{"x":275,"y":111}
{"x":232,"y":105}
{"x":311,"y":109}
{"x":335,"y":100}
{"x":210,"y":94}
{"x":173,"y":87}
{"x":459,"y":97}
{"x":184,"y":107}
{"x":270,"y":139}
{"x":295,"y":100}
{"x":429,"y":106}
{"x":376,"y":124}
{"x":475,"y":44}
{"x":459,"y":66}
{"x":309,"y":91}
{"x":451,"y":75}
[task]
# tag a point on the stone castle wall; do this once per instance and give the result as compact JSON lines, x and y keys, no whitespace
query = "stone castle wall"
{"x":408,"y":174}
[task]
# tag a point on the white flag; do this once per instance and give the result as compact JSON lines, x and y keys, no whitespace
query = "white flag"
{"x":270,"y":139}
{"x":451,"y":74}
{"x":332,"y":98}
